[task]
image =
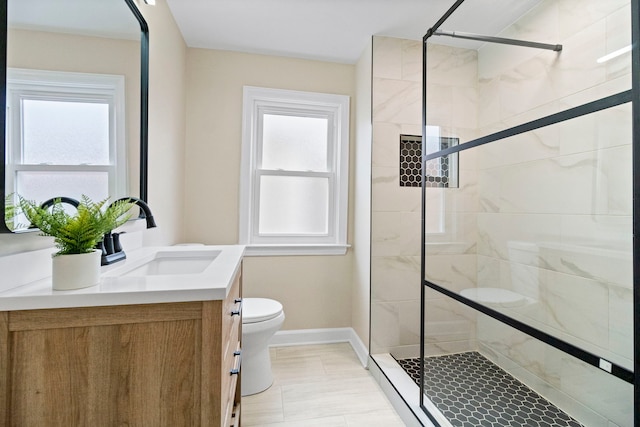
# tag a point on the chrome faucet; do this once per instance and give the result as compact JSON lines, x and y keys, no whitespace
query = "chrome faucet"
{"x":111,"y":248}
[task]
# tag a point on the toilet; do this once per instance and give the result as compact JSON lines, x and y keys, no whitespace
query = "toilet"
{"x":495,"y":297}
{"x":261,"y":318}
{"x":523,"y":260}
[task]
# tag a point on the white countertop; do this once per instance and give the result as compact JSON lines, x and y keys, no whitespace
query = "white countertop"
{"x":114,"y":289}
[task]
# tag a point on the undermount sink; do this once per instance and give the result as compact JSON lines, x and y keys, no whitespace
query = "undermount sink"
{"x":174,"y":263}
{"x":195,"y":272}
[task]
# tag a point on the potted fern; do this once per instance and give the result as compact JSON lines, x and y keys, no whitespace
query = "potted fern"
{"x":77,"y":262}
{"x":10,"y":212}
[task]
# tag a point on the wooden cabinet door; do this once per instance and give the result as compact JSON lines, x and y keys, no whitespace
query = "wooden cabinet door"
{"x":137,"y":374}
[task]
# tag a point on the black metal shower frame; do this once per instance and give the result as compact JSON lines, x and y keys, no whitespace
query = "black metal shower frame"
{"x":633,"y":96}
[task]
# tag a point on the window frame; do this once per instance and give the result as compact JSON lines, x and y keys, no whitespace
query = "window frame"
{"x":32,"y":84}
{"x":259,"y":101}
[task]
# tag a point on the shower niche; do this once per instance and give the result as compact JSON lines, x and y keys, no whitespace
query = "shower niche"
{"x":525,"y":314}
{"x":439,"y":173}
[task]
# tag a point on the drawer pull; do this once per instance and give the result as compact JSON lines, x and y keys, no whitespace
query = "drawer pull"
{"x":237,"y":312}
{"x":236,"y":369}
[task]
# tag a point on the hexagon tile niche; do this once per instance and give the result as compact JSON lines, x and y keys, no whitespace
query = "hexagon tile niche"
{"x":441,"y":173}
{"x":471,"y":391}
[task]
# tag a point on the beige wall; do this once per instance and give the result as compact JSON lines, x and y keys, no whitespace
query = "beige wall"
{"x":194,"y":180}
{"x":315,"y":290}
{"x":167,"y":85}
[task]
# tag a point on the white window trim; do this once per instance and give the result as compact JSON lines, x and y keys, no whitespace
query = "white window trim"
{"x":258,"y":100}
{"x":44,"y":84}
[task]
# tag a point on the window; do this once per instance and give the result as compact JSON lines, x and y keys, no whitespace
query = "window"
{"x":440,"y":173}
{"x":294,"y":179}
{"x":65,"y":134}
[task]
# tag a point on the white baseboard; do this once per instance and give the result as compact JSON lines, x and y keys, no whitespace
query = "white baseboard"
{"x":322,"y":336}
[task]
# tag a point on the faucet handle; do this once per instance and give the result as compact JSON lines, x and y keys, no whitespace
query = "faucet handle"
{"x":100,"y":246}
{"x":117,"y":246}
{"x":107,"y":244}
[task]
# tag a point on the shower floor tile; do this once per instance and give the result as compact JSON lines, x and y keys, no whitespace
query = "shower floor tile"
{"x":471,"y":391}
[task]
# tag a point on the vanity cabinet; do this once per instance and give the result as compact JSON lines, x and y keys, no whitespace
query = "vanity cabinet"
{"x":162,"y":364}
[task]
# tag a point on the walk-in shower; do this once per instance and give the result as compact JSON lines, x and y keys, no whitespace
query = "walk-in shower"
{"x":526,"y":312}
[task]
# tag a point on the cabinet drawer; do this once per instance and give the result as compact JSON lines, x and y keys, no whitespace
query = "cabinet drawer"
{"x":231,"y":335}
{"x":235,"y":416}
{"x":232,"y":310}
{"x":231,"y":401}
{"x":234,"y":293}
{"x":231,"y":365}
{"x":231,"y":321}
{"x":230,"y":373}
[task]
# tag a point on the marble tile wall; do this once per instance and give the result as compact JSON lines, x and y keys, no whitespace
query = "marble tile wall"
{"x":396,"y":215}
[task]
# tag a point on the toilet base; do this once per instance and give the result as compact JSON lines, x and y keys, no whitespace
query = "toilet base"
{"x":256,"y":373}
{"x":255,"y":369}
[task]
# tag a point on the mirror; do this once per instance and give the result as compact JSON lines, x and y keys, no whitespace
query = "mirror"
{"x":76,"y":97}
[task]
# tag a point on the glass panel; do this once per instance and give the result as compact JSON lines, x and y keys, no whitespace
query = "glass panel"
{"x":553,"y":232}
{"x":41,"y":186}
{"x":477,"y":88}
{"x":62,"y":132}
{"x":294,"y":205}
{"x":294,"y":143}
{"x":542,"y":232}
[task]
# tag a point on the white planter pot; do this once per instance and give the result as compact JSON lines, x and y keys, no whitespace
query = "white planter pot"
{"x":76,"y":271}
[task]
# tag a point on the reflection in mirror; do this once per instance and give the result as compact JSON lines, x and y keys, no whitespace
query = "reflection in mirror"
{"x":76,"y":100}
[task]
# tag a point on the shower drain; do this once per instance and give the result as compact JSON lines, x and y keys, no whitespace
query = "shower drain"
{"x":471,"y":391}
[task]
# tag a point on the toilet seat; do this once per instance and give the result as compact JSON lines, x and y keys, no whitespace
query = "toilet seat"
{"x":494,"y":297}
{"x":256,"y":310}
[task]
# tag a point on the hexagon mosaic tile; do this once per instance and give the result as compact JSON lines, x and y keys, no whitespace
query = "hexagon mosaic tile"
{"x":471,"y":391}
{"x":439,"y":172}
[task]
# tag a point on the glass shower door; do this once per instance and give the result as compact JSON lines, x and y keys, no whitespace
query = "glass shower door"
{"x":528,"y":282}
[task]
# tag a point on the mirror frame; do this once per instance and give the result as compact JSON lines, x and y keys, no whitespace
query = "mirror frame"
{"x":144,"y":105}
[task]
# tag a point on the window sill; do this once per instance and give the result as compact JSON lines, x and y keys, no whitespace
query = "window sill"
{"x":294,"y":250}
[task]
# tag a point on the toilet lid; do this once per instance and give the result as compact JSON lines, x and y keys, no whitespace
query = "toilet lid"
{"x":494,"y":296}
{"x":259,"y":309}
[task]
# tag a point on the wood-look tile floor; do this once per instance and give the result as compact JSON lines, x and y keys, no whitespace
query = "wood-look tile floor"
{"x":320,"y":386}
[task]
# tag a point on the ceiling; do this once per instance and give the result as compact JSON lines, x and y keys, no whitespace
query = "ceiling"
{"x":330,"y":30}
{"x":100,"y":18}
